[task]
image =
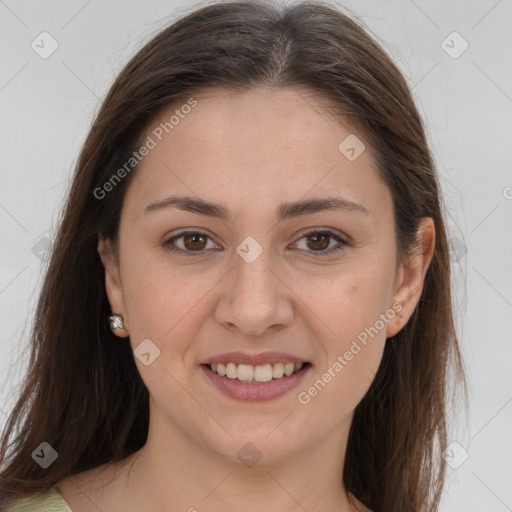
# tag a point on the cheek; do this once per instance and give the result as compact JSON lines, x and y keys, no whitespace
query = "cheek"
{"x":353,"y":343}
{"x":164,"y":302}
{"x":348,"y":301}
{"x":351,"y":310}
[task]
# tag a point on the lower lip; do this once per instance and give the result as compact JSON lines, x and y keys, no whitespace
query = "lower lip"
{"x":255,"y":391}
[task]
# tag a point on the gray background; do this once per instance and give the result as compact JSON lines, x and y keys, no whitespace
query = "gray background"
{"x":47,"y":105}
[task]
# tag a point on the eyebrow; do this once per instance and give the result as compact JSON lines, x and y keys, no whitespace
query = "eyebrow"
{"x":284,"y":211}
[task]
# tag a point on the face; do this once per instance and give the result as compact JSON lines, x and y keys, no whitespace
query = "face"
{"x":257,"y":273}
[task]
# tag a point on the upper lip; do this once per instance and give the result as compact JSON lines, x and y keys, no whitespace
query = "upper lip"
{"x":254,"y":359}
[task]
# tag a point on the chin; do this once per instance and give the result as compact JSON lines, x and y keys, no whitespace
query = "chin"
{"x":249,"y":447}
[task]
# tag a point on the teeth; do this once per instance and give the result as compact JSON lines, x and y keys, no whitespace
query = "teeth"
{"x":288,"y":368}
{"x":261,"y":373}
{"x":245,"y":372}
{"x":231,"y":371}
{"x":278,"y":370}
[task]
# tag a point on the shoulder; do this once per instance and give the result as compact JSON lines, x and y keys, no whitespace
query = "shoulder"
{"x":91,"y":490}
{"x":42,"y":501}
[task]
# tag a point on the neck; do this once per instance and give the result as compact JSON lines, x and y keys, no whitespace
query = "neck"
{"x":173,"y":472}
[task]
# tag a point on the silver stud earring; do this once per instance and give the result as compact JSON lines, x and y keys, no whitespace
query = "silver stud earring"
{"x":116,"y":322}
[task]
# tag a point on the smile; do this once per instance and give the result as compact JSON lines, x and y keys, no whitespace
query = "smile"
{"x":260,"y":373}
{"x":255,"y":383}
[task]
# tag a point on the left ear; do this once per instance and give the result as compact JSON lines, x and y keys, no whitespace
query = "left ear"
{"x":411,"y":275}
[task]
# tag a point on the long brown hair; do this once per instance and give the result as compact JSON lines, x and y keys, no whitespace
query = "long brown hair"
{"x":83,"y":394}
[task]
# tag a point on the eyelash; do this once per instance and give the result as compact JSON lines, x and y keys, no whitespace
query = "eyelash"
{"x":168,"y":244}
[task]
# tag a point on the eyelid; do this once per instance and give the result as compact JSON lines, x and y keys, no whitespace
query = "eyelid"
{"x":338,"y":237}
{"x":335,"y":235}
{"x":167,"y":243}
{"x":329,"y":231}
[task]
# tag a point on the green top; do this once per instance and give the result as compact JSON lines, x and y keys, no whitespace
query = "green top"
{"x":50,"y":500}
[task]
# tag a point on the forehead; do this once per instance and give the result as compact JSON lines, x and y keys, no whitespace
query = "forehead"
{"x":245,"y":123}
{"x":261,"y":145}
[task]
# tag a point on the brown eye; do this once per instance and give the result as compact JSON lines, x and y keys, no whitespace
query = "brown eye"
{"x":318,"y":242}
{"x":188,"y":242}
{"x":194,"y":241}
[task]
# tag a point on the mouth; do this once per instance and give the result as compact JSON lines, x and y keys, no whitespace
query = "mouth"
{"x":255,"y":383}
{"x":254,"y":374}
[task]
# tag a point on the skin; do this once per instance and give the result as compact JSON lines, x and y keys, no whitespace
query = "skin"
{"x":250,"y":152}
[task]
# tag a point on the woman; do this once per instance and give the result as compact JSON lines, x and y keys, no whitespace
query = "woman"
{"x":248,"y":300}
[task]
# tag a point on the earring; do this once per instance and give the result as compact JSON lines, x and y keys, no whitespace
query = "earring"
{"x":116,"y":322}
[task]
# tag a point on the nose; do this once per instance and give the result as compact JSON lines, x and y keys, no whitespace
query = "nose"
{"x":254,"y":297}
